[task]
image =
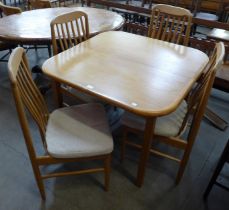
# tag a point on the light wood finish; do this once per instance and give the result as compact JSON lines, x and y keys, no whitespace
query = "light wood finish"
{"x":34,"y":26}
{"x":196,"y":100}
{"x":169,"y":23}
{"x":39,"y":4}
{"x":69,"y":30}
{"x":27,"y":95}
{"x":130,"y":71}
{"x":9,"y":10}
{"x":221,"y":81}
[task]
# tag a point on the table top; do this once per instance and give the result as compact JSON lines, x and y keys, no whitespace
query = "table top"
{"x":143,"y":75}
{"x":219,"y":34}
{"x":34,"y":26}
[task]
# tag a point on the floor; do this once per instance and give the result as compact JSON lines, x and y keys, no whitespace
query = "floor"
{"x":18,"y":189}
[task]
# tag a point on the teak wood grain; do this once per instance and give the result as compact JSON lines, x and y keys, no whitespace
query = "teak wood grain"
{"x":34,"y":26}
{"x":146,"y":76}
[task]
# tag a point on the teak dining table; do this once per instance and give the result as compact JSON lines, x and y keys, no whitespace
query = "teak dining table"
{"x":219,"y":34}
{"x":33,"y":27}
{"x":142,"y":75}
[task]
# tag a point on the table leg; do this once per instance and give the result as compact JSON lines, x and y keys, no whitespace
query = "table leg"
{"x":148,"y":137}
{"x":57,"y":94}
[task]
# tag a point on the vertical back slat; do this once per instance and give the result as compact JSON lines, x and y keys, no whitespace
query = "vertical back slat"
{"x":59,"y":37}
{"x":79,"y":31}
{"x":69,"y":35}
{"x":83,"y":29}
{"x":64,"y":35}
{"x":74,"y":33}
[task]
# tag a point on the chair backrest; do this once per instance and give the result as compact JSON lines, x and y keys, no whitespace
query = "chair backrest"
{"x":8,"y":10}
{"x":171,"y":24}
{"x":68,"y":30}
{"x":204,"y":83}
{"x":39,"y":4}
{"x":26,"y":93}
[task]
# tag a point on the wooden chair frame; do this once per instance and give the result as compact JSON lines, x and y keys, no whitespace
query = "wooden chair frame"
{"x":26,"y":94}
{"x":9,"y":10}
{"x":38,"y":4}
{"x":170,"y":23}
{"x":69,"y":30}
{"x":221,"y":82}
{"x":197,"y":101}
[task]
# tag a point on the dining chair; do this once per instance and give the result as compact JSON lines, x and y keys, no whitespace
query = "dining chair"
{"x":5,"y":46}
{"x":170,"y":128}
{"x":70,"y":134}
{"x":39,"y":4}
{"x":170,"y":23}
{"x":212,"y":14}
{"x":221,"y":81}
{"x":9,"y":10}
{"x":68,"y":30}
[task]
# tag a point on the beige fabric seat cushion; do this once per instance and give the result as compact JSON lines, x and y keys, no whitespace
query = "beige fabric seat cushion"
{"x":168,"y":125}
{"x":78,"y":131}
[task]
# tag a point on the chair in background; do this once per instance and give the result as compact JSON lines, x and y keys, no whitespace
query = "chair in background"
{"x":169,"y":128}
{"x":171,"y":24}
{"x":9,"y":10}
{"x":4,"y":46}
{"x":207,"y":15}
{"x":68,"y":30}
{"x":39,"y":4}
{"x":69,"y":134}
{"x":223,"y":159}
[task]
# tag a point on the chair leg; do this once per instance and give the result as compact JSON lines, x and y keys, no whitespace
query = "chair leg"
{"x":219,"y":167}
{"x":35,"y":47}
{"x":107,"y":171}
{"x":57,"y":94}
{"x":183,"y":163}
{"x":39,"y":180}
{"x":123,"y":147}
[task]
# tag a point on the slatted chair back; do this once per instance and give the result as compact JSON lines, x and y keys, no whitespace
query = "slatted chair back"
{"x":197,"y":92}
{"x":9,"y":10}
{"x":170,"y":23}
{"x":69,"y":30}
{"x":26,"y":92}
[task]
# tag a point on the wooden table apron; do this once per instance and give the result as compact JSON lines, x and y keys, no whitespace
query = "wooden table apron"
{"x":142,"y":75}
{"x":33,"y":27}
